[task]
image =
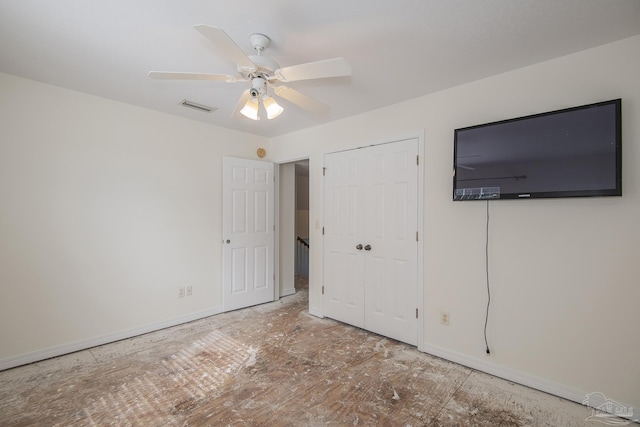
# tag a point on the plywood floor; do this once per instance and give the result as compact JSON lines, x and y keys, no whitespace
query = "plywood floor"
{"x":270,"y":365}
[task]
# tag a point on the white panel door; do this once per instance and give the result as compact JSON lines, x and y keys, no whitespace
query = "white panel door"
{"x":371,"y":252}
{"x":391,"y":224}
{"x":344,"y":264}
{"x":247,"y":231}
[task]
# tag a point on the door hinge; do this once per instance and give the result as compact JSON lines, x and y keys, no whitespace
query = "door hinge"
{"x":323,"y":231}
{"x":324,"y":170}
{"x":322,"y":289}
{"x":417,"y":160}
{"x":274,"y":227}
{"x":416,"y":236}
{"x":274,"y":277}
{"x":416,"y":313}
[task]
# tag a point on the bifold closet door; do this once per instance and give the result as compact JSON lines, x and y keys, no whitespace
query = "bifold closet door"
{"x":370,"y":238}
{"x":343,"y":262}
{"x":391,"y":224}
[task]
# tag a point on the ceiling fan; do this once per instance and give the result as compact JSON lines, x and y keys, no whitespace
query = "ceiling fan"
{"x":262,"y":73}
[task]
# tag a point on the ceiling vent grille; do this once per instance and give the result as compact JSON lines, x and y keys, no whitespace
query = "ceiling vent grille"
{"x":196,"y":106}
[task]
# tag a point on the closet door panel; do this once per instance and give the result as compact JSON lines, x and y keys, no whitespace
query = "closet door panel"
{"x":390,"y":274}
{"x":343,"y":263}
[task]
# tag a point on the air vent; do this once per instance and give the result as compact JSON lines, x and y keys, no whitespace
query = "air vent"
{"x":196,"y":106}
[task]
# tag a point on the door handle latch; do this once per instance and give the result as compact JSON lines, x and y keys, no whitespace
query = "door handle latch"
{"x":367,"y":248}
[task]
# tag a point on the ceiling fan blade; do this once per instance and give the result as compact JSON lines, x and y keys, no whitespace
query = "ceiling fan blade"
{"x":335,"y":67}
{"x":177,"y":75}
{"x":301,"y":100}
{"x":223,"y":42}
{"x":241,"y":102}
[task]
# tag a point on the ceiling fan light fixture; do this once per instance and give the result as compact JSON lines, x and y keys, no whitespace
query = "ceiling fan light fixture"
{"x":250,"y":109}
{"x":272,"y":107}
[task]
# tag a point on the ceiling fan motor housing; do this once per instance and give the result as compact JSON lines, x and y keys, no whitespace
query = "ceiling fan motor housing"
{"x":258,"y":87}
{"x":263,"y":66}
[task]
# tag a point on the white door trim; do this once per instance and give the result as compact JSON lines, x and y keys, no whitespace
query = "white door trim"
{"x":421,"y":239}
{"x":277,"y":165}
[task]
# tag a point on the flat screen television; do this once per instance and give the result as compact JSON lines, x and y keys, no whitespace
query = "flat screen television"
{"x":575,"y":152}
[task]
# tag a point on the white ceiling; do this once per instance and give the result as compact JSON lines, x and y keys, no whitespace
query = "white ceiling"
{"x":398,"y":49}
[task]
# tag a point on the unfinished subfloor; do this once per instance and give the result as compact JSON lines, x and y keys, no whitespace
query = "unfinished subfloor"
{"x":269,"y":365}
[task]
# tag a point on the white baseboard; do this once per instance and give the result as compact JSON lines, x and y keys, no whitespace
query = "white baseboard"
{"x":35,"y":356}
{"x":287,"y":292}
{"x":509,"y":374}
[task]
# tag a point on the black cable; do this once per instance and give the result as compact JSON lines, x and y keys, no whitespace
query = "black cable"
{"x":486,"y":267}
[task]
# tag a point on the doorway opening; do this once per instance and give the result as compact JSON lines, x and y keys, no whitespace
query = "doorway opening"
{"x":293,"y":234}
{"x":301,"y":270}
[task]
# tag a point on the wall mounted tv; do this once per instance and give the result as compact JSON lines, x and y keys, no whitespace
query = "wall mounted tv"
{"x":575,"y":152}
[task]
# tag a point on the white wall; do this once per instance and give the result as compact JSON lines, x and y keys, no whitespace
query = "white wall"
{"x":565,"y":273}
{"x":105,"y":211}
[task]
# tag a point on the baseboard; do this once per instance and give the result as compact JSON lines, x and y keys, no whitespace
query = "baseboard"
{"x":508,"y":374}
{"x":287,"y":292}
{"x":35,"y":356}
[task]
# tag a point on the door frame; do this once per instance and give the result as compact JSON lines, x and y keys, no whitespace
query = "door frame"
{"x":421,"y":237}
{"x":277,"y":214}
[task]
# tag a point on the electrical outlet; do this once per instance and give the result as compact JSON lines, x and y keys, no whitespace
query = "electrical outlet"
{"x":188,"y":291}
{"x":181,"y":292}
{"x":444,"y":318}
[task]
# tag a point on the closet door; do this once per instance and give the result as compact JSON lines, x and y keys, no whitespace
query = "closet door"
{"x":344,"y":226}
{"x":391,"y":224}
{"x":370,"y":238}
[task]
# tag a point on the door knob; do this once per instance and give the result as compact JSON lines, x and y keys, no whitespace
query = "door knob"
{"x":228,"y":241}
{"x":367,"y":248}
{"x":359,"y":247}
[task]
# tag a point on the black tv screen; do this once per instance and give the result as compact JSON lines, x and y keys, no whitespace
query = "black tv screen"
{"x":575,"y":152}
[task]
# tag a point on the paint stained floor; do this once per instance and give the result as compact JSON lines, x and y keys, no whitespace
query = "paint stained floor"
{"x":269,"y":365}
